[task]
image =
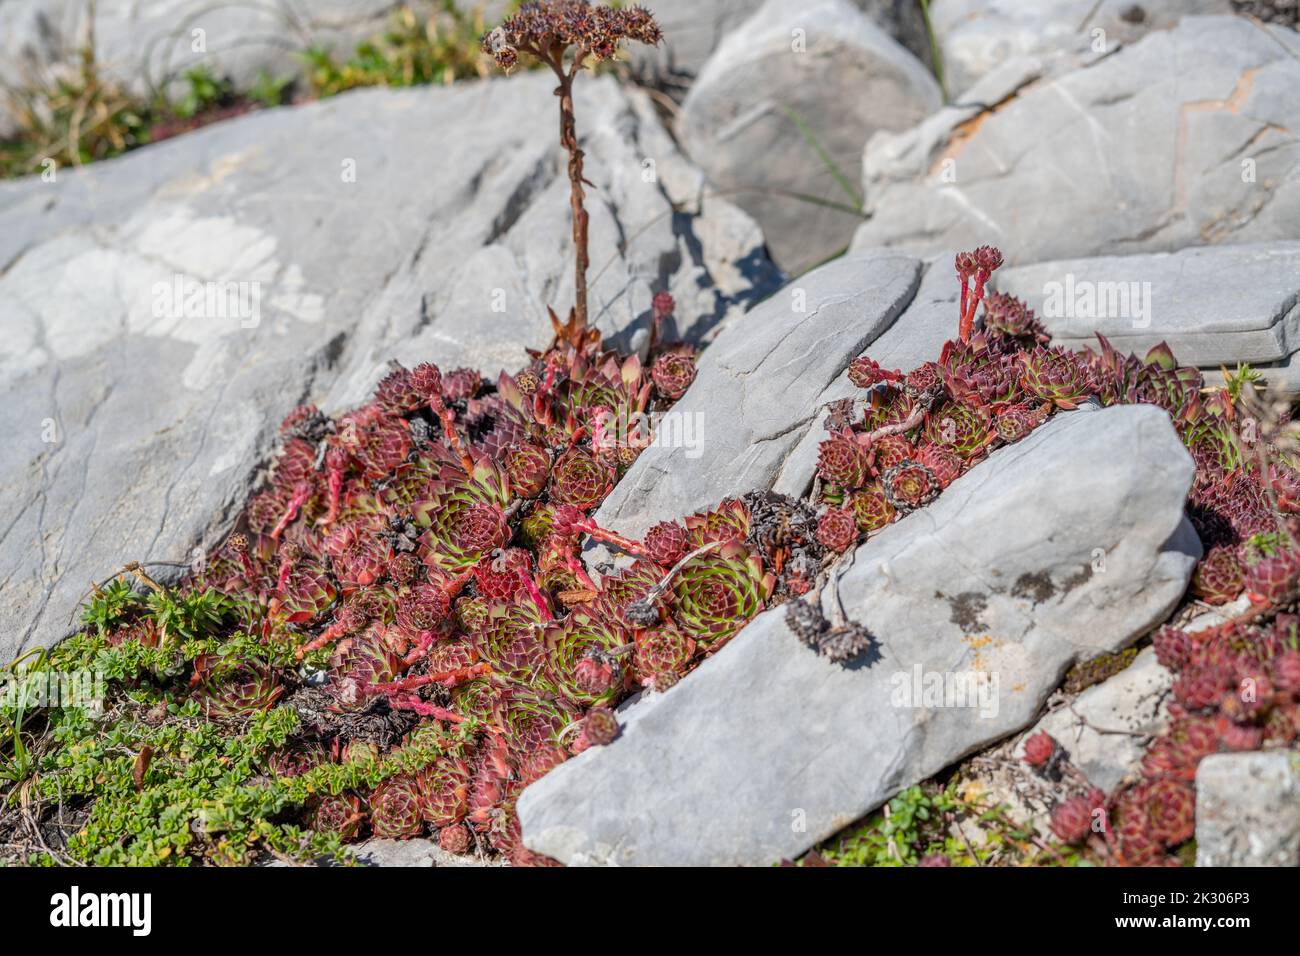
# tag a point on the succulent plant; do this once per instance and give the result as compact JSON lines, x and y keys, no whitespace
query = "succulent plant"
{"x":571,"y":667}
{"x":665,"y":543}
{"x":1072,"y":819}
{"x":1017,"y":421}
{"x":342,"y":814}
{"x":717,"y":593}
{"x":1056,"y":376}
{"x":909,"y":485}
{"x":865,"y":372}
{"x":843,"y":460}
{"x":1173,"y":647}
{"x":395,"y":393}
{"x":235,"y":691}
{"x":837,"y":530}
{"x":580,"y":480}
{"x":1220,"y":576}
{"x":1276,"y":578}
{"x":395,"y":809}
{"x":1039,"y":749}
{"x":1170,"y":806}
{"x":600,"y":726}
{"x":1008,"y":319}
{"x":673,"y":373}
{"x":444,"y":791}
{"x":730,"y":521}
{"x":871,"y":509}
{"x":943,"y":462}
{"x":455,"y":839}
{"x":464,"y":518}
{"x":528,"y":466}
{"x":1200,"y":686}
{"x":661,"y":649}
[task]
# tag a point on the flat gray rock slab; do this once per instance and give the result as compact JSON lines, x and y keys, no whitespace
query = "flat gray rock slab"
{"x":760,"y":388}
{"x":1214,"y":305}
{"x":1069,"y":544}
{"x":1188,"y":137}
{"x":977,"y":36}
{"x":361,"y":231}
{"x":1248,"y":809}
{"x":798,"y":80}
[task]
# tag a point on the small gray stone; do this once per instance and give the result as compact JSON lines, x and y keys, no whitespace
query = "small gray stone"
{"x":797,"y":71}
{"x":1185,"y":138}
{"x":1069,"y":544}
{"x":1248,"y":809}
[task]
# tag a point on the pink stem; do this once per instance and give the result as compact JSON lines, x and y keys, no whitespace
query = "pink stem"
{"x":449,"y":678}
{"x":424,"y":709}
{"x":300,"y":495}
{"x":535,"y":593}
{"x":335,"y":489}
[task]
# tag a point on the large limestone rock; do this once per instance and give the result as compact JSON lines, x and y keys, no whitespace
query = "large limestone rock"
{"x":1069,"y":544}
{"x":1248,"y":809}
{"x":977,"y":36}
{"x":1215,"y":305}
{"x":133,"y":424}
{"x":778,"y":116}
{"x":1186,"y":138}
{"x":756,"y":409}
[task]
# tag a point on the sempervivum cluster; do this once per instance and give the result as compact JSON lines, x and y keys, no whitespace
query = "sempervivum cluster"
{"x":913,"y":433}
{"x":422,"y":556}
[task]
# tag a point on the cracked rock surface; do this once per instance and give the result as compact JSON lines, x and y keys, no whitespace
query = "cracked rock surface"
{"x":767,"y":748}
{"x":1188,"y":137}
{"x":363,"y":231}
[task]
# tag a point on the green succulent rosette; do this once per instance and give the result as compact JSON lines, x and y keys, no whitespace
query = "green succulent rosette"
{"x":717,"y":593}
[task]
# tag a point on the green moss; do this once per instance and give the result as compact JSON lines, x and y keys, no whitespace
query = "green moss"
{"x":1086,"y":673}
{"x":151,"y":781}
